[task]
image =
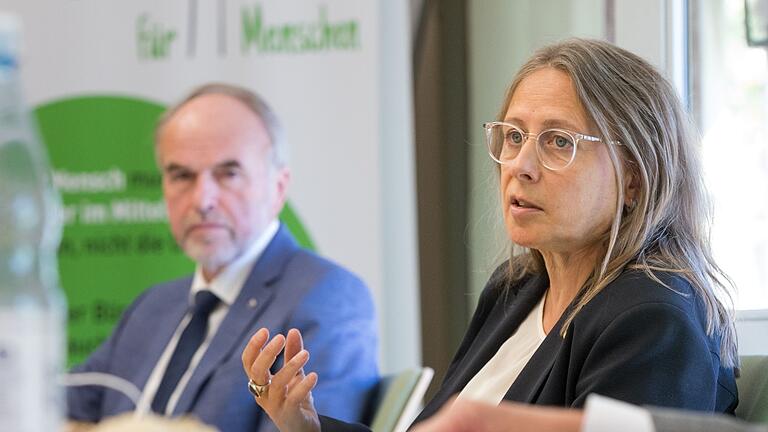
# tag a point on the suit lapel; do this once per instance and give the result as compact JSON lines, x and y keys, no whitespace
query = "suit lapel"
{"x":254,"y":298}
{"x":162,"y":329}
{"x":533,"y":376}
{"x":504,"y":318}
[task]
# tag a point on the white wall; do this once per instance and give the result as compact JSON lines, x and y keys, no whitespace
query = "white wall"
{"x":502,"y":35}
{"x":399,"y":307}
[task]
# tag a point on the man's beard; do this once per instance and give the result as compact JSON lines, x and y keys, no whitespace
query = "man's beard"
{"x":211,"y":258}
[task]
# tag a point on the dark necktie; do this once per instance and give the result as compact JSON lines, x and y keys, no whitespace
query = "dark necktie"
{"x":189,"y":342}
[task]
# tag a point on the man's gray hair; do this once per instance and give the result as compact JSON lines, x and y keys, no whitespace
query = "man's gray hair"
{"x":252,"y":101}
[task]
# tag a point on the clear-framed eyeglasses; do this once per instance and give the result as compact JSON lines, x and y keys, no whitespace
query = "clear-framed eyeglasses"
{"x":556,"y":148}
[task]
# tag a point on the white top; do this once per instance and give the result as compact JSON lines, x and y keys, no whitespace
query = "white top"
{"x":226,"y":286}
{"x":497,"y":376}
{"x":602,"y":414}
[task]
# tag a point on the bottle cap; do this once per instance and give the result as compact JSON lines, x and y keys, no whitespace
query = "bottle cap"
{"x":10,"y":40}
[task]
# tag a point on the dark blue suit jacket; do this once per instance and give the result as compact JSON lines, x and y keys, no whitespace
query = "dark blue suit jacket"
{"x":293,"y":288}
{"x":636,"y":341}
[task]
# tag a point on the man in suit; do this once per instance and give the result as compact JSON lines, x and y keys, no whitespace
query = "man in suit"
{"x":224,"y":183}
{"x":600,"y":415}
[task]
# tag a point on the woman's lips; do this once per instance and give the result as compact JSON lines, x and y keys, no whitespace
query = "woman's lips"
{"x":523,"y":202}
{"x":520,"y":206}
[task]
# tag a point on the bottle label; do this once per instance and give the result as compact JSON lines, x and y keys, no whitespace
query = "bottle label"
{"x":31,"y":399}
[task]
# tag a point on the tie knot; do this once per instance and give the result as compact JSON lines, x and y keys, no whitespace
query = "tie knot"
{"x":205,"y":301}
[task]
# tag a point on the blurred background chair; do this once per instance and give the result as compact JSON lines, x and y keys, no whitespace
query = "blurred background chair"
{"x":753,"y":389}
{"x":397,"y":399}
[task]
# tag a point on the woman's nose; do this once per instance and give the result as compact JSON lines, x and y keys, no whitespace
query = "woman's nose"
{"x":525,"y":166}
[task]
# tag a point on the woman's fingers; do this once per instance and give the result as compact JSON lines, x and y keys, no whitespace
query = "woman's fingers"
{"x":295,"y":380}
{"x":299,"y":392}
{"x":293,"y":344}
{"x":260,"y":367}
{"x":291,"y":369}
{"x":253,"y":348}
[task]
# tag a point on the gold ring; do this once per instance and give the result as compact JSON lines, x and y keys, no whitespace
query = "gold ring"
{"x":258,"y":390}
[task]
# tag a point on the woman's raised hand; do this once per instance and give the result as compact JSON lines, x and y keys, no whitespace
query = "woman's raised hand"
{"x":287,"y":395}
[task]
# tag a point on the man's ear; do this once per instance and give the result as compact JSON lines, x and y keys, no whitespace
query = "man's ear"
{"x":282,"y":180}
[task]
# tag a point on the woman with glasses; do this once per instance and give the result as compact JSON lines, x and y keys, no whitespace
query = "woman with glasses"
{"x":610,"y":287}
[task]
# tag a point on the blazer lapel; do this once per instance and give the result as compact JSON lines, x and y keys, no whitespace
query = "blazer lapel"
{"x":535,"y":373}
{"x":503,"y":320}
{"x":250,"y":304}
{"x":532,"y":378}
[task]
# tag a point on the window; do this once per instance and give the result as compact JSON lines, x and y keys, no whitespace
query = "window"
{"x":730,"y":103}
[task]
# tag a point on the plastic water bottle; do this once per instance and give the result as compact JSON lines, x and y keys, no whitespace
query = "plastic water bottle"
{"x":32,"y":308}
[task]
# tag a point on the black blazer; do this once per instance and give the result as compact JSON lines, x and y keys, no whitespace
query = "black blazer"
{"x":636,"y":341}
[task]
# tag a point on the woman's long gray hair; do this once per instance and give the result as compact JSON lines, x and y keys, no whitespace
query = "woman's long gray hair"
{"x":668,"y":227}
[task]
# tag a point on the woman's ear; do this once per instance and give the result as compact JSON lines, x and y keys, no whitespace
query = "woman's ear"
{"x":631,"y":188}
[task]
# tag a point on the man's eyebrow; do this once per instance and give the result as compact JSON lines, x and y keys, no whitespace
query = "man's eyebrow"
{"x":172,"y":167}
{"x":229,"y":164}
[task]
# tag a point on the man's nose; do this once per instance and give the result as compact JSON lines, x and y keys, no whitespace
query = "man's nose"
{"x":205,"y":194}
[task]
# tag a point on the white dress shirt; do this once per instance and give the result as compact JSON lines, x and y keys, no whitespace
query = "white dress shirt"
{"x":602,"y":414}
{"x":497,"y":376}
{"x":226,"y":286}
